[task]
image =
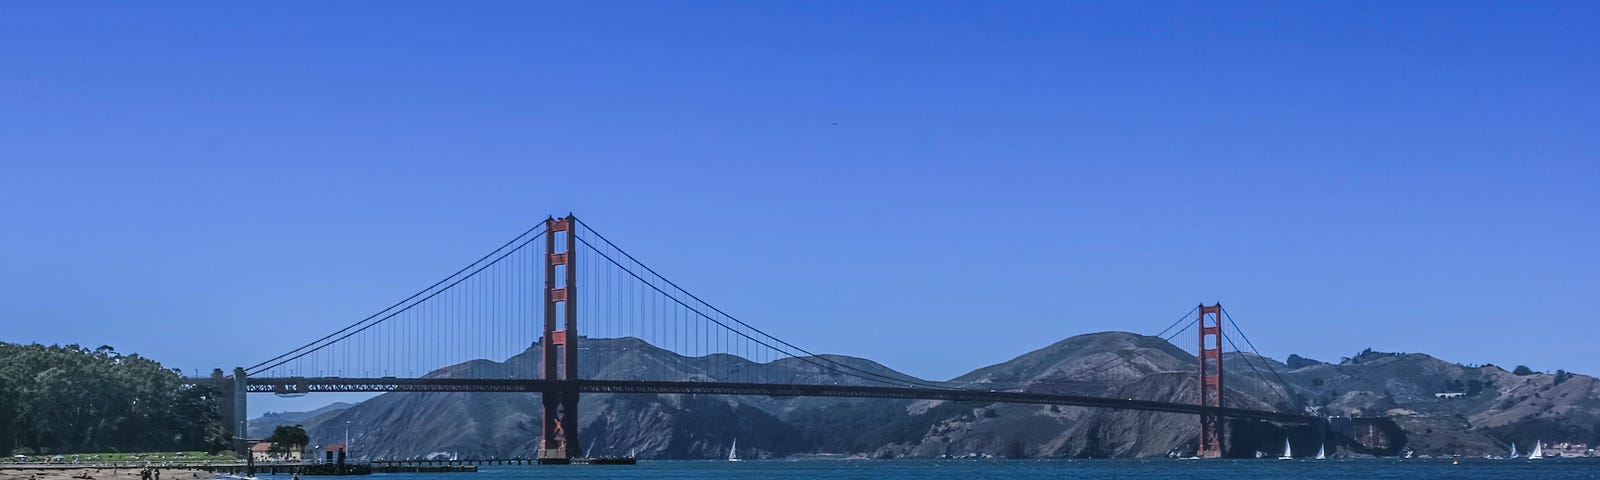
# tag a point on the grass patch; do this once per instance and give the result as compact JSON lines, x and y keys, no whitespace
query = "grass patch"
{"x":123,"y":457}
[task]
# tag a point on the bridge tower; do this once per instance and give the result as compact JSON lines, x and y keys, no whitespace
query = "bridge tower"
{"x":559,"y":443}
{"x":231,"y":407}
{"x":1211,"y":423}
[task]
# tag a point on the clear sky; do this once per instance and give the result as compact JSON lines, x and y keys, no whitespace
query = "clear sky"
{"x":936,"y":186}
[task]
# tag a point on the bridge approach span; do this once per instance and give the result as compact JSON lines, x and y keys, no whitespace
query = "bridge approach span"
{"x":304,"y":385}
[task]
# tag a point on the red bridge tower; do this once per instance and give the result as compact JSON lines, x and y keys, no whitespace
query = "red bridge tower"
{"x":1211,"y":424}
{"x":559,"y":444}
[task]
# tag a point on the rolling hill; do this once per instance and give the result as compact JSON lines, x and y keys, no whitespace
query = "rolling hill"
{"x":1494,"y":407}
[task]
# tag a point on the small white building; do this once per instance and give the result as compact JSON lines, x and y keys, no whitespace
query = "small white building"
{"x":262,"y":452}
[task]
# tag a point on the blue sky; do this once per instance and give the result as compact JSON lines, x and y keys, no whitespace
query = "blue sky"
{"x":935,"y":185}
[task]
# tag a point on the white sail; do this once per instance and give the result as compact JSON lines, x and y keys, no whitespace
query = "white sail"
{"x":1538,"y":451}
{"x":1286,"y":453}
{"x":733,"y":451}
{"x":1513,"y":450}
{"x":1322,"y":452}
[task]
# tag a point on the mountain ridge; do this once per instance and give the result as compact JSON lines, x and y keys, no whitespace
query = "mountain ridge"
{"x":1502,"y":407}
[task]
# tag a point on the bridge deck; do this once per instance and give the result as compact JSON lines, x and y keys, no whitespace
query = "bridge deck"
{"x":302,"y":385}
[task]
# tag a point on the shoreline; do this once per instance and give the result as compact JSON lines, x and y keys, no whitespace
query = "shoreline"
{"x":80,"y":472}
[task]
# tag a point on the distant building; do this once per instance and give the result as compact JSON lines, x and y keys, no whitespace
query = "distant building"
{"x":1450,"y":394}
{"x":333,"y":453}
{"x":1565,"y":449}
{"x":262,"y":452}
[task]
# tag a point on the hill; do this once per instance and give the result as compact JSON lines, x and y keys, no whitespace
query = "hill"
{"x":1448,"y":408}
{"x":261,"y":427}
{"x":408,"y":425}
{"x":1494,"y":407}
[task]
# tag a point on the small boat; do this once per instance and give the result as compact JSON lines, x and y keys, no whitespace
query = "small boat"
{"x":733,"y":451}
{"x":1322,"y":452}
{"x":1287,"y":455}
{"x":1538,"y":451}
{"x":1513,"y":451}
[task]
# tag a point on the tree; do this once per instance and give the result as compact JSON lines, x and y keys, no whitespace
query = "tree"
{"x":63,"y":399}
{"x":1297,"y":362}
{"x":288,"y":437}
{"x":1522,"y":370}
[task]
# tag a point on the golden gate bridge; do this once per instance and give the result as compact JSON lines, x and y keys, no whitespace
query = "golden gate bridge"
{"x":552,"y":300}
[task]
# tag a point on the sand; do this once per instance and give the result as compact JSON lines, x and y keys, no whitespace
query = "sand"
{"x":103,"y":473}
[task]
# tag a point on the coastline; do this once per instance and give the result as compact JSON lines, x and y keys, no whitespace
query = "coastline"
{"x":80,"y":472}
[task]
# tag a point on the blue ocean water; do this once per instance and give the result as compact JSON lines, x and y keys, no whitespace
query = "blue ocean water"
{"x":1163,"y":469}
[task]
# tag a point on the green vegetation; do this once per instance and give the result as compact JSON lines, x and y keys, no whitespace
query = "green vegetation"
{"x":1296,"y":362}
{"x":286,"y":438}
{"x":125,"y":457}
{"x":66,"y":399}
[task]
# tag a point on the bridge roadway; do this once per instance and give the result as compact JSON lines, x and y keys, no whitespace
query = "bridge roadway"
{"x":304,"y":385}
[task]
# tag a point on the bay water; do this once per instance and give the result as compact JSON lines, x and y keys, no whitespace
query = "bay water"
{"x":1153,"y":469}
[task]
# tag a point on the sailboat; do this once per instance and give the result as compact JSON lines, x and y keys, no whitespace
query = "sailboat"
{"x":1286,"y":455}
{"x":733,"y":451}
{"x":1322,"y":452}
{"x":1538,"y":451}
{"x":1513,"y":450}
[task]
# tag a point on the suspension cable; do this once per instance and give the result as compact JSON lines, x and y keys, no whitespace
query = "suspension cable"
{"x":1252,"y":345}
{"x":1118,"y":358}
{"x":407,"y":299}
{"x":1252,"y":365}
{"x":675,"y":299}
{"x":403,"y":310}
{"x":725,"y":314}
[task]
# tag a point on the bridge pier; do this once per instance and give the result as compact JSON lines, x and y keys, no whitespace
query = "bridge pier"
{"x":231,"y":407}
{"x":223,"y":403}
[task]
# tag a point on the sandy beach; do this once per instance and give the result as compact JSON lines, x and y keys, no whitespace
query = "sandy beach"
{"x":93,"y":473}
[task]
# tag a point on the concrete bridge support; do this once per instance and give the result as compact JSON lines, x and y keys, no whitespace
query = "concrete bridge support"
{"x":241,"y":415}
{"x":230,"y":404}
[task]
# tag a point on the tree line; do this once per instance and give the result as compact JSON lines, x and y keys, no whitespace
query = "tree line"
{"x":68,"y":399}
